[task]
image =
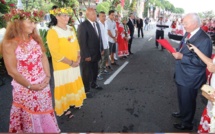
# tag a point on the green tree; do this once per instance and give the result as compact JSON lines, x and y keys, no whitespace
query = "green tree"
{"x":207,"y":14}
{"x":127,"y":5}
{"x":133,"y":6}
{"x":103,"y":6}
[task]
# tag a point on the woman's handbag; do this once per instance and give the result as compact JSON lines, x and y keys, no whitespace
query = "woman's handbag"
{"x":207,"y":90}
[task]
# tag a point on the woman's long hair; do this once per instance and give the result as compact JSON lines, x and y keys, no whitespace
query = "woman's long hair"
{"x":15,"y":30}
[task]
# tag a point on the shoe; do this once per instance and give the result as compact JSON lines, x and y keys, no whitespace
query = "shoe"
{"x":130,"y":53}
{"x":182,"y":127}
{"x":89,"y":95}
{"x":109,"y":67}
{"x":99,"y":77}
{"x":176,"y":115}
{"x":105,"y":72}
{"x":115,"y":59}
{"x":97,"y":87}
{"x":115,"y":64}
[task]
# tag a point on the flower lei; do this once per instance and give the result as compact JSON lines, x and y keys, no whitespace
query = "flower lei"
{"x":212,"y":124}
{"x":63,"y":10}
{"x":16,"y":14}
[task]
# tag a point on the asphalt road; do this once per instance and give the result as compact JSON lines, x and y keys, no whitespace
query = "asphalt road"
{"x":140,"y":98}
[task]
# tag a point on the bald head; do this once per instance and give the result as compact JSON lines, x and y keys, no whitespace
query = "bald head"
{"x":91,"y":14}
{"x":191,"y":21}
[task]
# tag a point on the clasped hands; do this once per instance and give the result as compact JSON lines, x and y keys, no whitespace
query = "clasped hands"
{"x":76,"y":63}
{"x":42,"y":85}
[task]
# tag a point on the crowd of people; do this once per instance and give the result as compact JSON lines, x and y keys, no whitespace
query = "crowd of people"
{"x":80,"y":60}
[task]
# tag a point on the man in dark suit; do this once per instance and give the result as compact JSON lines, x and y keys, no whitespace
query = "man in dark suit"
{"x":140,"y":26}
{"x":190,"y":72}
{"x":91,"y":48}
{"x":131,"y":24}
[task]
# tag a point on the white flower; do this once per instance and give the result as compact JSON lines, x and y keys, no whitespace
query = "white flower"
{"x":212,"y":125}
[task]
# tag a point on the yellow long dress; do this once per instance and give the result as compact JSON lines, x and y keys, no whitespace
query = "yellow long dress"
{"x":69,"y":88}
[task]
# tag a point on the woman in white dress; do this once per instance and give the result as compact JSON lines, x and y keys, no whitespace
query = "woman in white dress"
{"x":207,"y":123}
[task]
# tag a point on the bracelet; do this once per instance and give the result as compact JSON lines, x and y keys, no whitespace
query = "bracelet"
{"x":29,"y":86}
{"x":71,"y":64}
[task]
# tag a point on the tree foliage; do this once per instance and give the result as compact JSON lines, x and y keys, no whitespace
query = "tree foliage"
{"x":103,"y":6}
{"x":127,"y":5}
{"x":133,"y":6}
{"x":207,"y":14}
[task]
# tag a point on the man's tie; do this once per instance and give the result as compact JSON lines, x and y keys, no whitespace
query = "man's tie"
{"x":185,"y":40}
{"x":188,"y":36}
{"x":94,"y":25}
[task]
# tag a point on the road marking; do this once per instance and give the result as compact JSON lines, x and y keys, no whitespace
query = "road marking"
{"x":108,"y":81}
{"x":149,"y":38}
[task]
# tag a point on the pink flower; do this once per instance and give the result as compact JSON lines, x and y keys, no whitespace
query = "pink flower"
{"x":12,"y":5}
{"x":3,"y":2}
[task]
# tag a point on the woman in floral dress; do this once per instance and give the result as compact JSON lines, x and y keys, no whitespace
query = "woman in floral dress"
{"x":26,"y":62}
{"x":207,"y":123}
{"x":65,"y":52}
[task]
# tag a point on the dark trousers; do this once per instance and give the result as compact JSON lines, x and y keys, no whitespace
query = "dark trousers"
{"x":159,"y":34}
{"x":140,"y":29}
{"x":187,"y":103}
{"x":130,"y":42}
{"x":89,"y":72}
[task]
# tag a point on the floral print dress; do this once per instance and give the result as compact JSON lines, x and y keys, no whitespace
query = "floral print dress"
{"x":31,"y":111}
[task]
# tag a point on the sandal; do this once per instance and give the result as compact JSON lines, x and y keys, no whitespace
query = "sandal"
{"x":69,"y":114}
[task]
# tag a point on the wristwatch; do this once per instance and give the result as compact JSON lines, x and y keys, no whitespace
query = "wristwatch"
{"x":29,"y":86}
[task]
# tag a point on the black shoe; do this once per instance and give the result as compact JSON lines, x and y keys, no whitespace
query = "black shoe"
{"x":109,"y":67}
{"x":89,"y":95}
{"x":97,"y":87}
{"x":131,"y":53}
{"x":182,"y":127}
{"x":176,"y":115}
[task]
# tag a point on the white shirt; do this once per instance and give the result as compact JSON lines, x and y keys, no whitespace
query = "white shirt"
{"x":160,"y":23}
{"x":112,"y":27}
{"x":77,"y":23}
{"x":104,"y":34}
{"x":194,"y":32}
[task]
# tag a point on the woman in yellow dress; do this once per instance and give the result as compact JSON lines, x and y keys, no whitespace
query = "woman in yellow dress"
{"x":65,"y":52}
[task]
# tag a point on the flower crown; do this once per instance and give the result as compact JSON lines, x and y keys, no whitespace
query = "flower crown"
{"x":63,"y":10}
{"x":35,"y":16}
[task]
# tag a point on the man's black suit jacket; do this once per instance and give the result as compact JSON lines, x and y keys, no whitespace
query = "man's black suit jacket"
{"x":139,"y":23}
{"x":90,"y":43}
{"x":191,"y":70}
{"x":131,"y":27}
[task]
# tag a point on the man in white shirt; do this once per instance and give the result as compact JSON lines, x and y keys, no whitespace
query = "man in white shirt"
{"x":105,"y":55}
{"x":79,"y":20}
{"x":160,"y":31}
{"x":112,"y":35}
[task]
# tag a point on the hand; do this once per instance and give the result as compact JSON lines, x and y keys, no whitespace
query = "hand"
{"x":88,"y":59}
{"x":115,"y":39}
{"x":46,"y":80}
{"x":211,"y":67}
{"x":79,"y":59}
{"x":193,"y":48}
{"x":103,"y":52}
{"x":38,"y":87}
{"x":212,"y":97}
{"x":75,"y":64}
{"x":177,"y":55}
